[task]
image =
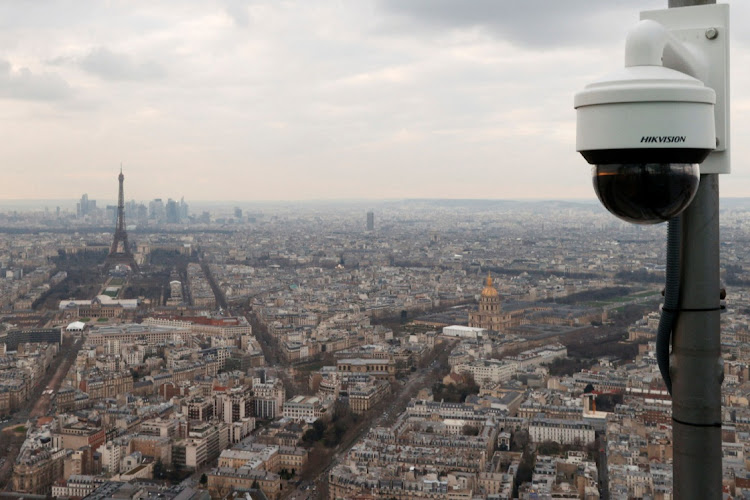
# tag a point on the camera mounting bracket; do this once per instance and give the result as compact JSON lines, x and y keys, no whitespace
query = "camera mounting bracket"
{"x":702,"y":36}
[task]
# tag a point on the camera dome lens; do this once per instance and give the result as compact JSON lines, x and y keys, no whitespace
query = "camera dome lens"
{"x":646,"y":193}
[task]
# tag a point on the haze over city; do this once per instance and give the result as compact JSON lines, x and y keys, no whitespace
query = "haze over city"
{"x":270,"y":100}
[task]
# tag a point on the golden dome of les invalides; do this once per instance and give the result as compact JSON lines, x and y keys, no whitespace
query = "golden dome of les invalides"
{"x":489,"y":314}
{"x":489,"y":290}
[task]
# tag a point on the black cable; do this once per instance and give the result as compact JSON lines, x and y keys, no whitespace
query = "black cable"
{"x":671,"y":300}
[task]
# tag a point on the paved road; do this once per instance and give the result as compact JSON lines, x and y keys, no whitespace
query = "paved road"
{"x":38,"y":404}
{"x":218,"y":292}
{"x":67,"y":357}
{"x":388,"y":411}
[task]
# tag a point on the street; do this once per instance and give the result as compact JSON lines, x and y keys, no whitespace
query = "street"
{"x":383,"y":414}
{"x":37,"y":405}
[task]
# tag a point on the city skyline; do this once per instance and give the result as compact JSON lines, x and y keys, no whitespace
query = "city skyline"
{"x":505,"y":341}
{"x":293,"y":101}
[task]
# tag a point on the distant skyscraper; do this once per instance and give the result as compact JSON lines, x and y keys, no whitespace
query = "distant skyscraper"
{"x":370,"y":221}
{"x":131,"y":210}
{"x":183,"y":210}
{"x":111,"y":211}
{"x":173,"y":212}
{"x":141,"y":213}
{"x":156,"y":210}
{"x":85,"y":206}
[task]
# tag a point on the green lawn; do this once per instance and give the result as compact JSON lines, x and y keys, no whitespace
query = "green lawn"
{"x":626,"y":298}
{"x":311,"y":366}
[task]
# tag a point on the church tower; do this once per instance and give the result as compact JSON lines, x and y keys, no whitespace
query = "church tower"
{"x":490,"y":314}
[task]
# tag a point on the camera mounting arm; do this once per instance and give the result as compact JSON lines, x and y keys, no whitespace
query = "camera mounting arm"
{"x":649,"y":43}
{"x":695,"y":41}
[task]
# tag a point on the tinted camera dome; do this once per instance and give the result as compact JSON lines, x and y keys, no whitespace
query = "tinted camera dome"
{"x":646,"y":193}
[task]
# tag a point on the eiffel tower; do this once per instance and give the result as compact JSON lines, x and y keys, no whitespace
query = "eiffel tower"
{"x":119,"y":252}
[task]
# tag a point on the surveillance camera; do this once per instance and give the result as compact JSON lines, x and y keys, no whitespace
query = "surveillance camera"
{"x":645,"y":129}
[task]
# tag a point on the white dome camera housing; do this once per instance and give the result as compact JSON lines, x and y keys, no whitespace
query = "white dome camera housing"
{"x":645,"y":129}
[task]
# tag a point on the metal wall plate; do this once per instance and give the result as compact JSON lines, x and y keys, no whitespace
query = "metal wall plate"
{"x":704,"y":31}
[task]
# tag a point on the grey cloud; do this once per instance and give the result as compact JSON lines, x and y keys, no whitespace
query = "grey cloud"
{"x":113,"y":66}
{"x":529,"y":22}
{"x":60,"y":61}
{"x":238,"y":11}
{"x":23,"y":84}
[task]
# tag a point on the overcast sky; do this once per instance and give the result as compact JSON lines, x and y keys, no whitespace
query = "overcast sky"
{"x":313,"y":99}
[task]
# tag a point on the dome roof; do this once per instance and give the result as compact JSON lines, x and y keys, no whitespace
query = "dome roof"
{"x":489,"y":290}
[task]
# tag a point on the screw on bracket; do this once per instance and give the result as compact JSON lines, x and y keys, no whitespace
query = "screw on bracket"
{"x":712,"y":33}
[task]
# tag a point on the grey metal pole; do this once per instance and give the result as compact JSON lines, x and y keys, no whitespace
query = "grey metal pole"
{"x":696,"y":365}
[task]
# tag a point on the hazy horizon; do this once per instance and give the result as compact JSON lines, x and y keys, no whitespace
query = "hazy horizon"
{"x":364,"y":204}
